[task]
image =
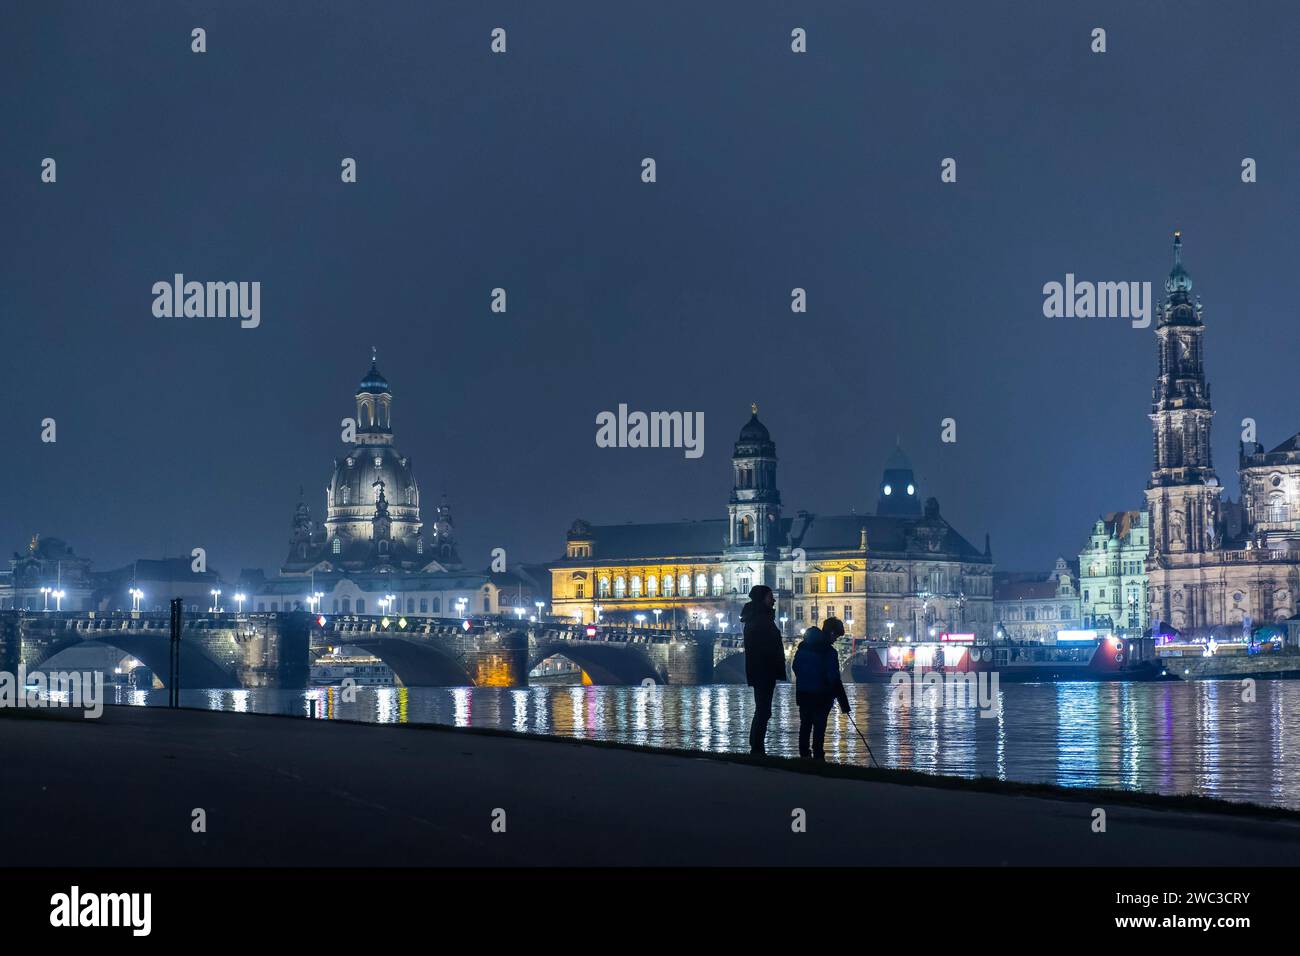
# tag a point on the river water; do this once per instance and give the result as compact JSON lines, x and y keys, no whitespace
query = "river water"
{"x":1170,"y":738}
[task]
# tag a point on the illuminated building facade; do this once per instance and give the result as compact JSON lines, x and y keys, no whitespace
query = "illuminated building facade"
{"x":1211,"y":562}
{"x":900,"y":572}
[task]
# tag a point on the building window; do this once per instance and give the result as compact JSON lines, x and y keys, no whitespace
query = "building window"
{"x":410,"y":605}
{"x":717,"y":584}
{"x":275,"y":606}
{"x":336,"y":605}
{"x":261,"y":606}
{"x":668,"y":585}
{"x":487,"y":604}
{"x":620,"y":587}
{"x":848,"y":614}
{"x":345,"y":494}
{"x":636,"y":585}
{"x":813,"y":584}
{"x":361,"y":605}
{"x":347,"y":605}
{"x":686,"y":585}
{"x":603,"y":588}
{"x":701,"y":585}
{"x":798,"y":585}
{"x":848,"y":583}
{"x":798,"y":612}
{"x":830,"y":585}
{"x":337,"y":546}
{"x":651,"y":586}
{"x":436,"y":605}
{"x":424,"y":605}
{"x":744,"y":584}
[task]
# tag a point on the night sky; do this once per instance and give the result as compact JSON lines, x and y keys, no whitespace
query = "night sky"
{"x":775,"y":170}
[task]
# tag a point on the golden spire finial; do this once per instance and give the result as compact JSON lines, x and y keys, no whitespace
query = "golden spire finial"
{"x":753,"y":407}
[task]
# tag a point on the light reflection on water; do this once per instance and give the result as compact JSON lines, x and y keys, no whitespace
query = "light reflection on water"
{"x":1197,"y":737}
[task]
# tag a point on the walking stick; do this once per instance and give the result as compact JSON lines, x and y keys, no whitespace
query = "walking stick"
{"x":864,"y":739}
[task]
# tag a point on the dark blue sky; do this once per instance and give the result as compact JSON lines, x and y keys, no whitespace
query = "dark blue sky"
{"x":775,"y":170}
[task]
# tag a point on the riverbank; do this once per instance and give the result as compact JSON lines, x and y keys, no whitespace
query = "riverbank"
{"x":122,"y":791}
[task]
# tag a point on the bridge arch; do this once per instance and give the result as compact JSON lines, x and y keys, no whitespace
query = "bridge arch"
{"x":603,"y":663}
{"x":730,"y":669}
{"x":415,"y":663}
{"x":197,"y":668}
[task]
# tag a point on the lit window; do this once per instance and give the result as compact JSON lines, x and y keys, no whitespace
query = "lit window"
{"x":888,"y":491}
{"x":651,"y":585}
{"x":636,"y":585}
{"x":686,"y":585}
{"x":338,"y":545}
{"x":830,"y":584}
{"x":911,"y":490}
{"x":620,"y":587}
{"x":717,"y":584}
{"x":668,"y":585}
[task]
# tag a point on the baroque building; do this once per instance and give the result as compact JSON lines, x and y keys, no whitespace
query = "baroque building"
{"x":1211,"y":563}
{"x":901,"y":572}
{"x":1032,"y":608}
{"x":1112,"y":573}
{"x":374,"y":554}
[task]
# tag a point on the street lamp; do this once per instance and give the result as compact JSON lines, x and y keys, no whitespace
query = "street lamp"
{"x":718,"y":615}
{"x":460,"y":606}
{"x":240,"y":598}
{"x":597,"y":608}
{"x":216,"y":599}
{"x":640,"y":619}
{"x":657,"y":611}
{"x":890,"y":625}
{"x":519,"y":613}
{"x":136,"y":595}
{"x":784,"y":618}
{"x":539,"y":605}
{"x":46,"y":592}
{"x":58,"y":600}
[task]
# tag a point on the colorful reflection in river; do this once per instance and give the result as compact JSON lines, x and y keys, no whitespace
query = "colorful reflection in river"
{"x":1199,"y":737}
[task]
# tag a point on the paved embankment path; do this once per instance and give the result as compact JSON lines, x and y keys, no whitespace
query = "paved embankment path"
{"x":121,"y":790}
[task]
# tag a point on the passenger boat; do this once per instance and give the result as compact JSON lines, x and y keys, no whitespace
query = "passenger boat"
{"x":1083,"y":656}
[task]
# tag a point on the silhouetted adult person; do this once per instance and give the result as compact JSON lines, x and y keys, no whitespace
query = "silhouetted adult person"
{"x":764,"y":659}
{"x":817,"y":685}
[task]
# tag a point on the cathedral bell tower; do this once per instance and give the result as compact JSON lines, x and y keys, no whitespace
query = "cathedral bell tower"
{"x":1183,"y":493}
{"x":754,"y":512}
{"x":374,"y":407}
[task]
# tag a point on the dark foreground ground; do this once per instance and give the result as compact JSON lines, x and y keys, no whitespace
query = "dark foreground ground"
{"x":278,"y":791}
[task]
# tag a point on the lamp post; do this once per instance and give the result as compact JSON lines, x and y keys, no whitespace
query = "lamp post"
{"x":784,"y":618}
{"x":460,"y":606}
{"x":58,"y":600}
{"x":890,"y":625}
{"x":136,"y":595}
{"x":519,"y":613}
{"x":718,"y":616}
{"x":539,"y":605}
{"x":46,"y":592}
{"x":216,"y":600}
{"x":640,"y":620}
{"x":597,"y":608}
{"x":240,"y":598}
{"x":657,"y":611}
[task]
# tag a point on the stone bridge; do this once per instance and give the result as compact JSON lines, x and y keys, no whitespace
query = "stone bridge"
{"x":276,"y":649}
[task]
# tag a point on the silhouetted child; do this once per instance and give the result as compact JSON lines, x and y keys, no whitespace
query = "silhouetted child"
{"x":818,"y":685}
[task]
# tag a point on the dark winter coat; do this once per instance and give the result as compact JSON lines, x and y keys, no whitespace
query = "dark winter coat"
{"x":817,"y":672}
{"x":764,"y":649}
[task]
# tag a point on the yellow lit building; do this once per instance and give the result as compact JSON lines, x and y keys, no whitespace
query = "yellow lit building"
{"x":899,"y":572}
